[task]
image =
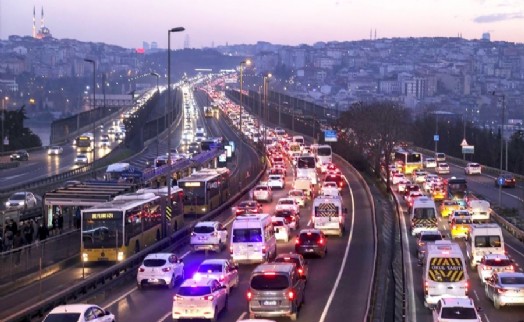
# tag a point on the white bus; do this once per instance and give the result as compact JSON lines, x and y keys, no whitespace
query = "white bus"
{"x":252,"y":239}
{"x":328,"y":215}
{"x":306,"y":167}
{"x":323,"y":154}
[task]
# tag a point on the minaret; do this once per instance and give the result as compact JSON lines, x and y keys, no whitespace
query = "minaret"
{"x":42,"y":19}
{"x":375,"y":34}
{"x":34,"y":22}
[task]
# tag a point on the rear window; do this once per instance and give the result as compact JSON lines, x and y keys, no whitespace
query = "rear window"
{"x":261,"y":188}
{"x":296,"y":193}
{"x":430,"y":237}
{"x":512,"y":280}
{"x":210,"y":268}
{"x":487,"y":241}
{"x":247,"y":235}
{"x":203,"y":229}
{"x":62,"y":317}
{"x":424,"y":213}
{"x":156,"y":262}
{"x":459,"y":313}
{"x":269,"y":282}
{"x":194,"y":290}
{"x":462,"y":221}
{"x":309,"y":237}
{"x":474,"y":165}
{"x":285,"y":202}
{"x":294,"y":260}
{"x":500,"y":262}
{"x":275,"y":177}
{"x":278,"y":223}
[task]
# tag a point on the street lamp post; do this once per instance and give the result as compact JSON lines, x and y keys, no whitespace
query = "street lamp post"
{"x":3,"y":121}
{"x":242,"y":63}
{"x":91,"y":61}
{"x":266,"y":103}
{"x":501,"y":140}
{"x":157,"y":75}
{"x":169,"y":112}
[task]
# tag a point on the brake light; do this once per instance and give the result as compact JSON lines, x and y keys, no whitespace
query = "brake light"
{"x":141,"y":270}
{"x":166,"y":269}
{"x":222,"y":278}
{"x":321,"y":241}
{"x":231,"y":249}
{"x":264,"y":249}
{"x":208,"y":298}
{"x":291,"y":295}
{"x":301,"y":271}
{"x":501,"y":290}
{"x":193,"y":234}
{"x":249,"y":295}
{"x":297,"y":241}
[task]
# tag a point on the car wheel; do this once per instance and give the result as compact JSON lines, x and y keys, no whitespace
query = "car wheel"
{"x":139,"y":286}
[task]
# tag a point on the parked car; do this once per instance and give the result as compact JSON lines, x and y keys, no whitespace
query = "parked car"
{"x":21,"y":200}
{"x":20,"y":155}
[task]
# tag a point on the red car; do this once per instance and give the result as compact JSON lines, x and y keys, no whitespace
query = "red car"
{"x":247,"y":207}
{"x":337,"y":178}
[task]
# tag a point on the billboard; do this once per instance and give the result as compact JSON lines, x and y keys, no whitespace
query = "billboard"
{"x":330,"y":136}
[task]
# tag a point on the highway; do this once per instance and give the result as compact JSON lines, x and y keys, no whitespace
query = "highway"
{"x":479,"y":185}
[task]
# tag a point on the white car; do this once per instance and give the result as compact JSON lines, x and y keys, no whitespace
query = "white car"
{"x":419,"y":176}
{"x":199,"y":299}
{"x":473,"y":168}
{"x":104,"y":143}
{"x":81,"y":159}
{"x":208,"y":235}
{"x":160,"y":269}
{"x":79,"y":313}
{"x":430,"y":180}
{"x":397,"y":177}
{"x":505,"y":288}
{"x":223,"y":270}
{"x":456,"y":309}
{"x":442,"y":168}
{"x":282,"y":230}
{"x":491,"y":263}
{"x":21,"y":200}
{"x":430,"y":163}
{"x":458,"y":214}
{"x":55,"y":150}
{"x":263,"y":192}
{"x":299,"y":196}
{"x":329,"y":188}
{"x":276,"y":181}
{"x":287,"y":204}
{"x":401,"y":186}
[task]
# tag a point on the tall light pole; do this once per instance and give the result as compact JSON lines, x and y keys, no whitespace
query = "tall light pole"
{"x":501,"y":140}
{"x":91,"y":61}
{"x":266,"y":103}
{"x":242,"y":63}
{"x":168,"y":110}
{"x":3,"y":122}
{"x":157,"y":75}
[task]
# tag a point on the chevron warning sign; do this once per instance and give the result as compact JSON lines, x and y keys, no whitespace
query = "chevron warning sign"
{"x":169,"y":213}
{"x":446,"y":269}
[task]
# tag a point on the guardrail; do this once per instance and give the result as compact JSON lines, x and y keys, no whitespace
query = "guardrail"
{"x":402,"y":288}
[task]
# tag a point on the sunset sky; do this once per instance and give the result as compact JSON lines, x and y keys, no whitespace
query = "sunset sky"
{"x":130,"y":22}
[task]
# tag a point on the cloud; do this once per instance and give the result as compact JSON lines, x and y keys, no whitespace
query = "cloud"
{"x":498,"y":17}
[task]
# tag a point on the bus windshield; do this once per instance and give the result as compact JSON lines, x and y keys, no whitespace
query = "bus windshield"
{"x":195,"y":196}
{"x":102,"y":230}
{"x":324,"y":151}
{"x":306,"y":162}
{"x":424,"y":213}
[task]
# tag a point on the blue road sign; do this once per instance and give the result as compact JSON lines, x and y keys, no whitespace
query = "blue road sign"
{"x":436,"y":137}
{"x":501,"y":181}
{"x":330,"y":136}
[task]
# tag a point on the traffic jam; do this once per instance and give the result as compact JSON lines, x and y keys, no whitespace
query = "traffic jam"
{"x":456,"y":248}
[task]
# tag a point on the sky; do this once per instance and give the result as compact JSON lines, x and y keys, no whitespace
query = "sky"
{"x":128,"y":23}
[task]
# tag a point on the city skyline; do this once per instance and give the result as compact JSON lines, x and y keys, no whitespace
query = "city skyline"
{"x":236,"y":21}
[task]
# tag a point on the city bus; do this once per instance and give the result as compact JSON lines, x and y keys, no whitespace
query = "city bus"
{"x":208,"y":112}
{"x":323,"y":154}
{"x":457,"y":190}
{"x":408,"y":160}
{"x":215,"y":110}
{"x":84,"y":144}
{"x":205,"y":190}
{"x":115,"y":230}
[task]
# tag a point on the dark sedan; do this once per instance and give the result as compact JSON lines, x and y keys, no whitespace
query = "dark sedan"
{"x":311,"y":242}
{"x":20,"y":155}
{"x":506,"y":180}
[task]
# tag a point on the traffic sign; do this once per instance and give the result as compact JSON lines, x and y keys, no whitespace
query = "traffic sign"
{"x":501,"y":181}
{"x":330,"y":136}
{"x":436,"y":137}
{"x":464,"y":143}
{"x":468,"y":149}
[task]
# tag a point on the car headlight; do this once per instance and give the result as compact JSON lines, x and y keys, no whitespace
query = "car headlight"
{"x":84,"y":257}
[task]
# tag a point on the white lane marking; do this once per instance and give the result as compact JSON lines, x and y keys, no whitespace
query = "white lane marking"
{"x":165,"y":316}
{"x":343,"y":264}
{"x":135,"y":288}
{"x":411,"y":290}
{"x":476,"y":295}
{"x":241,"y":316}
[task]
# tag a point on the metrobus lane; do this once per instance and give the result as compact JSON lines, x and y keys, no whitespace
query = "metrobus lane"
{"x":155,"y":304}
{"x":420,"y":313}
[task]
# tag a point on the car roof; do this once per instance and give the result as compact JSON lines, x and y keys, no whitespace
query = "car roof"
{"x":71,"y":308}
{"x":203,"y":281}
{"x":274,"y":267}
{"x":206,"y":223}
{"x":459,"y":301}
{"x":495,"y":256}
{"x":510,"y":274}
{"x":159,"y":256}
{"x":214,"y":261}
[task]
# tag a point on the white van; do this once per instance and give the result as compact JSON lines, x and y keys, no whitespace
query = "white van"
{"x":423,"y":215}
{"x":328,"y":215}
{"x":298,"y":139}
{"x":440,"y":157}
{"x":444,"y":273}
{"x":484,"y":239}
{"x":252,"y":239}
{"x":480,"y":210}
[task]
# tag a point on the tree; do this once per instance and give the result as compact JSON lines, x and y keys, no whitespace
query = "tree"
{"x":375,"y":128}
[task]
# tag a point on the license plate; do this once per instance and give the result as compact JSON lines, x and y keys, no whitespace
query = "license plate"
{"x":270,"y":302}
{"x":309,"y":250}
{"x":153,"y":280}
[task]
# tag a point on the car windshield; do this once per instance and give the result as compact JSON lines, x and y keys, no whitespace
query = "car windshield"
{"x":62,"y":317}
{"x":458,"y":313}
{"x":487,"y":241}
{"x":154,"y":262}
{"x":194,"y":290}
{"x":18,"y":196}
{"x":512,"y":280}
{"x":285,"y":202}
{"x":203,"y":229}
{"x":210,"y":268}
{"x":430,"y":237}
{"x":247,"y":235}
{"x":269,"y":282}
{"x":498,"y":262}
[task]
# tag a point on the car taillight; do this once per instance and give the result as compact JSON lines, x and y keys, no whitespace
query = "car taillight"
{"x":231,"y":249}
{"x":321,"y":241}
{"x":264,"y":249}
{"x":249,"y":295}
{"x":501,"y":290}
{"x":421,"y":243}
{"x":301,"y":271}
{"x":177,"y":298}
{"x":291,"y":295}
{"x":297,"y":241}
{"x":141,"y":270}
{"x":166,"y":269}
{"x":510,"y":268}
{"x":193,"y":234}
{"x":208,"y":298}
{"x":222,"y":278}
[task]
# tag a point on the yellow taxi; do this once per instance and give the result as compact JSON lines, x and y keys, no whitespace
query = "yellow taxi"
{"x":448,"y":207}
{"x":460,"y":227}
{"x":438,"y":194}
